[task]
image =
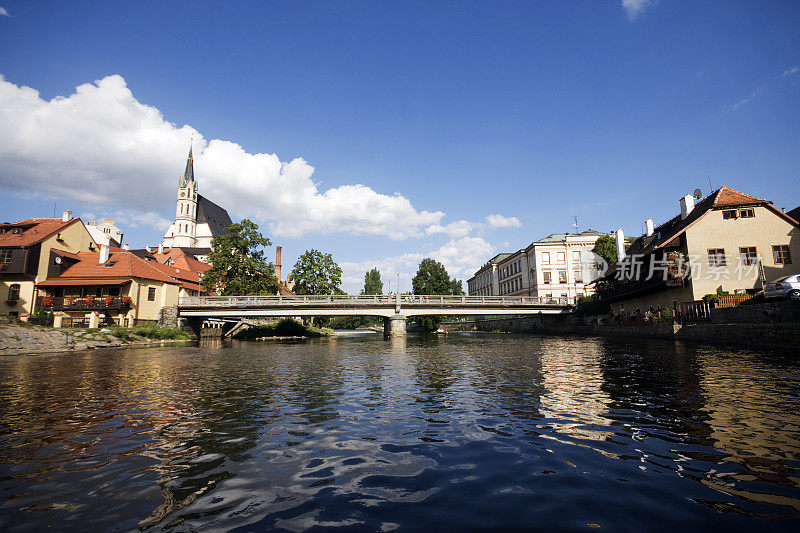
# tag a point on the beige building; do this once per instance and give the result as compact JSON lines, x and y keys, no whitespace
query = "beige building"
{"x":486,"y":281}
{"x":29,"y":250}
{"x":114,"y":285}
{"x":729,"y":241}
{"x":559,"y":266}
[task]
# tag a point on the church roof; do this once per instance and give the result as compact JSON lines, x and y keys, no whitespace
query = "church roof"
{"x":215,"y":216}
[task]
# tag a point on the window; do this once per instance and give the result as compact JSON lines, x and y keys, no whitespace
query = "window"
{"x":749,"y":255}
{"x":98,"y":292}
{"x":13,"y":292}
{"x":576,"y":256}
{"x":747,"y":213}
{"x":561,"y":257}
{"x":5,"y":256}
{"x":519,"y":265}
{"x":729,"y":214}
{"x":781,"y":254}
{"x":562,"y":276}
{"x":578,"y":276}
{"x":113,"y":291}
{"x":716,"y":257}
{"x":545,"y":258}
{"x":547,"y":277}
{"x":151,"y":294}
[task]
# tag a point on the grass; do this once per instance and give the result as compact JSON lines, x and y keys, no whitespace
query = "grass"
{"x":285,"y":328}
{"x":148,"y":331}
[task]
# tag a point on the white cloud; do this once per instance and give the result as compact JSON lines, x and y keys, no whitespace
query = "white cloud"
{"x":461,"y":257}
{"x":3,"y":12}
{"x":462,"y":228}
{"x":499,"y":221}
{"x":102,"y":146}
{"x":789,"y":71}
{"x":634,"y":8}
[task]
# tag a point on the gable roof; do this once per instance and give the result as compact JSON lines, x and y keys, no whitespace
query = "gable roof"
{"x":31,"y":231}
{"x":121,"y":265}
{"x":215,"y":216}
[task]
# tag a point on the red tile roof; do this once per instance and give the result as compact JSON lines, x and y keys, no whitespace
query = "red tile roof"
{"x":121,"y":264}
{"x":727,"y":197}
{"x":33,"y":230}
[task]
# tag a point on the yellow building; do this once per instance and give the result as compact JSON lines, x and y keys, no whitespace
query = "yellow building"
{"x":727,"y":242}
{"x":29,"y":250}
{"x":115,"y":285}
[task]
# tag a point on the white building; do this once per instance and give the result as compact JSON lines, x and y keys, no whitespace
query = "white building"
{"x":486,"y":281}
{"x":558,"y":266}
{"x":197,"y":219}
{"x":105,"y":232}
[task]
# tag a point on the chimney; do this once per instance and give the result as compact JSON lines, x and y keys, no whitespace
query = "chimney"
{"x":687,"y":204}
{"x":278,"y":262}
{"x":103,"y":253}
{"x":67,"y":215}
{"x":620,"y":245}
{"x":126,"y":246}
{"x":161,"y":248}
{"x":649,"y":225}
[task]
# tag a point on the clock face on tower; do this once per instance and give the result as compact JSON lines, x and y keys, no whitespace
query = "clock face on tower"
{"x":183,"y":194}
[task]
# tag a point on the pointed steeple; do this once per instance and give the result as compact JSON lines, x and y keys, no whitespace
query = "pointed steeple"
{"x":188,"y":174}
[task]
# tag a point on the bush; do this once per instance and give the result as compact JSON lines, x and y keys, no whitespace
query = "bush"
{"x":592,"y":305}
{"x":667,"y":315}
{"x":41,"y":317}
{"x":714,"y":297}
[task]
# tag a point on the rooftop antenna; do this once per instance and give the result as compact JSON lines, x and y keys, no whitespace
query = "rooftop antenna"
{"x":575,"y":225}
{"x":710,"y":186}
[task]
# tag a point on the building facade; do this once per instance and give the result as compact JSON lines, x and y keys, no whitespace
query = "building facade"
{"x":728,"y":242}
{"x":486,"y":281}
{"x":114,"y":285}
{"x":29,"y":250}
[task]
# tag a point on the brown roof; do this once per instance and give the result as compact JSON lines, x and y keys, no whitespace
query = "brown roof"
{"x":181,"y":260}
{"x":121,"y":264}
{"x":795,"y":214}
{"x":32,"y":231}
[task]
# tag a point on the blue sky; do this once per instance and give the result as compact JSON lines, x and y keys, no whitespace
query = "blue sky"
{"x":444,"y":112}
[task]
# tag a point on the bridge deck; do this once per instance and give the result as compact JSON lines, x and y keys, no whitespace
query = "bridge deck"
{"x":378,"y":305}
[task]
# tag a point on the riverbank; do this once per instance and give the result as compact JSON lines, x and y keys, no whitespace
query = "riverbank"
{"x":18,"y":339}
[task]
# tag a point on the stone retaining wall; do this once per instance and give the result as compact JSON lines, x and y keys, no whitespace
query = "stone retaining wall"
{"x":781,"y":335}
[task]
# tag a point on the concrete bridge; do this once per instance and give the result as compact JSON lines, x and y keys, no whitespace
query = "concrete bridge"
{"x":394,"y":309}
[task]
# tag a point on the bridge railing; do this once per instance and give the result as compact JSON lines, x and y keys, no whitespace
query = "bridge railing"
{"x":367,"y":300}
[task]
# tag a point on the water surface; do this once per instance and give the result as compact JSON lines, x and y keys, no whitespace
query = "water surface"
{"x":466,"y":431}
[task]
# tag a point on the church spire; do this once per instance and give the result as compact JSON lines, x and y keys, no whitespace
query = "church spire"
{"x":188,"y":174}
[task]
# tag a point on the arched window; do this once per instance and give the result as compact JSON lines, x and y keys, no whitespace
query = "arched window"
{"x":13,"y":292}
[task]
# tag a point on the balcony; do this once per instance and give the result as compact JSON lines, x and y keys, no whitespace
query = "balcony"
{"x":104,"y":303}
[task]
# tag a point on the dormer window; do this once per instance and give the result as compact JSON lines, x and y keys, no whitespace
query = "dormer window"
{"x":110,"y":264}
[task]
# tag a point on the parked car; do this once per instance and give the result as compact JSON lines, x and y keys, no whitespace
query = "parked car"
{"x":785,"y":287}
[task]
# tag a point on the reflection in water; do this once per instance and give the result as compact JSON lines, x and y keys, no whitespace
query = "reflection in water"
{"x":462,"y":431}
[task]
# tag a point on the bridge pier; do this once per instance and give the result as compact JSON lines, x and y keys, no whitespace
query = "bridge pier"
{"x":394,"y":326}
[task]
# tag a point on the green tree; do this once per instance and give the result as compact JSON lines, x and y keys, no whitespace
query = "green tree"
{"x":432,"y":278}
{"x":238,"y":264}
{"x":316,"y":273}
{"x":372,"y":282}
{"x":606,"y":247}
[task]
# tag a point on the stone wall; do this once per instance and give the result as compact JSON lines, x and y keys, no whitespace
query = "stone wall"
{"x":781,"y":335}
{"x":168,"y":317}
{"x":777,"y":311}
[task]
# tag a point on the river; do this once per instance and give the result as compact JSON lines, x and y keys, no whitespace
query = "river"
{"x":456,"y":432}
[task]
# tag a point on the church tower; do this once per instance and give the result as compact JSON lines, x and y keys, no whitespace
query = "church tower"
{"x":185,"y":227}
